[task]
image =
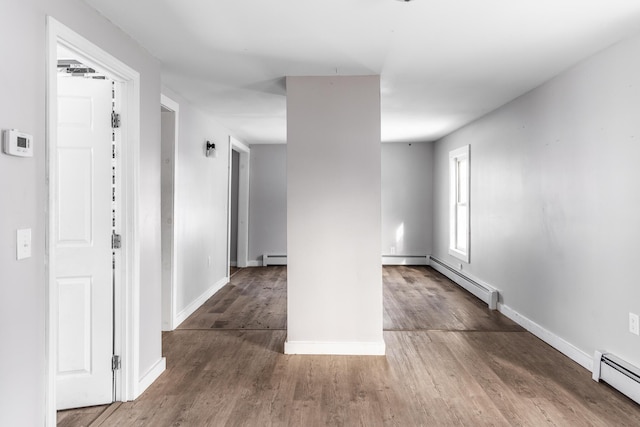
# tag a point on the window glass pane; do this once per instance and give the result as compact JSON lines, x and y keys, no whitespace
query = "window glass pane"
{"x":461,"y":231}
{"x":463,"y":180}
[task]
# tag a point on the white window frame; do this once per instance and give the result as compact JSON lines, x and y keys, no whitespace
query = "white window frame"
{"x":455,"y":202}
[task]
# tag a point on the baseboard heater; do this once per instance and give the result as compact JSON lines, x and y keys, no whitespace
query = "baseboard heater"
{"x":405,"y":260}
{"x":482,"y":291}
{"x":617,"y":373}
{"x":270,"y":259}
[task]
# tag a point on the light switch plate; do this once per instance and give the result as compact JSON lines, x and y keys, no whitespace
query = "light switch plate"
{"x":23,"y":243}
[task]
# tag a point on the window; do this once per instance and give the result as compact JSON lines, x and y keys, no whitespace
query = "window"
{"x":459,"y":203}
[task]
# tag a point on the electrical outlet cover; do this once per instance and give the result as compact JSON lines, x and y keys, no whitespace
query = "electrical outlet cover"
{"x":634,"y":324}
{"x":23,"y":243}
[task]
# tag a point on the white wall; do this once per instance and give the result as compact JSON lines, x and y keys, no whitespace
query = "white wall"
{"x":23,"y":199}
{"x":407,"y":198}
{"x":333,"y":215}
{"x":555,"y":202}
{"x":201,"y":199}
{"x":267,"y":201}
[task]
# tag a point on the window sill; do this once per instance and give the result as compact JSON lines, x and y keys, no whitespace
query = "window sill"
{"x":462,"y":256}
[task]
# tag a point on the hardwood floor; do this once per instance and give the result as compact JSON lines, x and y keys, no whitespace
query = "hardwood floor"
{"x":419,"y":298}
{"x":85,"y":416}
{"x":450,"y":361}
{"x":255,"y":298}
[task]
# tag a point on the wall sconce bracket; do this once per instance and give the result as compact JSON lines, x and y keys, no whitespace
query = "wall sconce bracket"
{"x":210,"y":149}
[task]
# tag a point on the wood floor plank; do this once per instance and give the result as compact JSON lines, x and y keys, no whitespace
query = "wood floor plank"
{"x":456,"y":363}
{"x":502,"y":396}
{"x":420,"y":298}
{"x":80,"y":417}
{"x":415,"y":298}
{"x":255,"y":298}
{"x":423,"y":380}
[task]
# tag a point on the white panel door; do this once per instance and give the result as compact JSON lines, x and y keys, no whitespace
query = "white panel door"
{"x":82,"y":238}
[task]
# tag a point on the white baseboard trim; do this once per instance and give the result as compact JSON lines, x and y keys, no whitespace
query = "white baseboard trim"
{"x":233,"y":263}
{"x":151,"y":375}
{"x":480,"y":289}
{"x":405,"y":260}
{"x":188,"y":311}
{"x":563,"y":346}
{"x":254,"y":263}
{"x":376,"y":348}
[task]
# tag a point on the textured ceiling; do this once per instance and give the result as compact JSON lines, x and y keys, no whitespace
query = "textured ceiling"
{"x":443,"y":63}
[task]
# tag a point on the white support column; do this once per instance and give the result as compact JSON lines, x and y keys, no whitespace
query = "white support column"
{"x":333,"y":216}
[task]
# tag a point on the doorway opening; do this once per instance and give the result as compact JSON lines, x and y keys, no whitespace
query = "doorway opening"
{"x":233,"y":209}
{"x":238,"y":212}
{"x":91,"y":213}
{"x":169,"y":111}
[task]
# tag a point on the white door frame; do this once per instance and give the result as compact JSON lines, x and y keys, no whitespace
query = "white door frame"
{"x":169,"y":319}
{"x":243,"y":204}
{"x":126,"y":293}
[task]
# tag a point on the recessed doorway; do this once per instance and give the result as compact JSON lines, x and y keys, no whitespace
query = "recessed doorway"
{"x":169,"y":112}
{"x":238,"y":216}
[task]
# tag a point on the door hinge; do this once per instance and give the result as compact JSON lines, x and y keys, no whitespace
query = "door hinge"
{"x":115,"y":120}
{"x":116,"y":241}
{"x":115,"y":362}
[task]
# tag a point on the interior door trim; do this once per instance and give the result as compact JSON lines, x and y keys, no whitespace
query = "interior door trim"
{"x":126,"y":316}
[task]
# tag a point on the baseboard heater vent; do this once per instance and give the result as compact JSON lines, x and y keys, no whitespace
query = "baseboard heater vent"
{"x":405,"y":260}
{"x":617,"y":373}
{"x":481,"y":290}
{"x":270,"y":259}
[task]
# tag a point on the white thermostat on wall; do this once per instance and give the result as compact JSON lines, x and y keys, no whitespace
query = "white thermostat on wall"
{"x":17,"y":143}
